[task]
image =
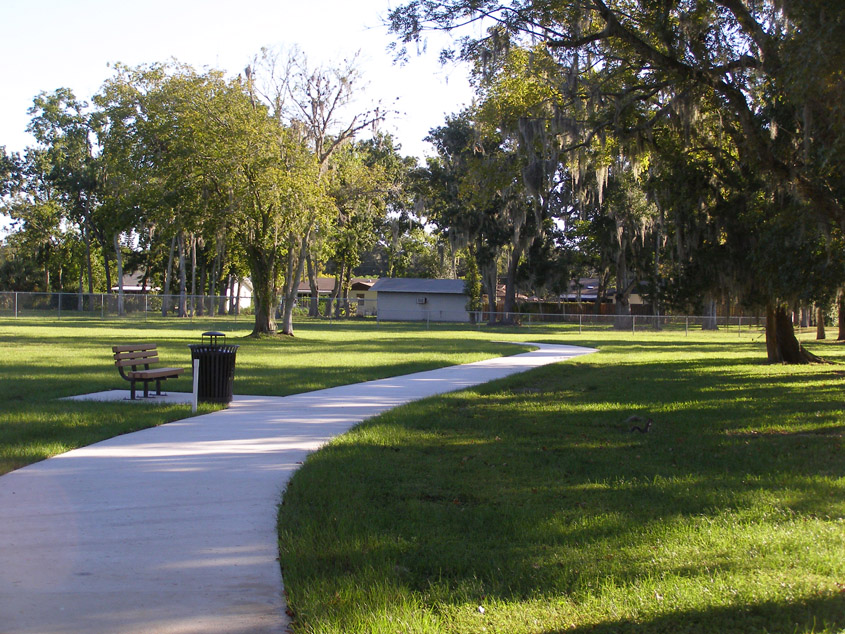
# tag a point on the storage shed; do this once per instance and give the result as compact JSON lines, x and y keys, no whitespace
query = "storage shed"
{"x":414,"y":299}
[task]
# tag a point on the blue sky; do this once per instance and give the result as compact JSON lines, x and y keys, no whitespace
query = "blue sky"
{"x":47,"y":44}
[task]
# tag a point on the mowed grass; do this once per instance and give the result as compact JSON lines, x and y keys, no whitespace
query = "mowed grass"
{"x":528,"y":505}
{"x":42,"y":360}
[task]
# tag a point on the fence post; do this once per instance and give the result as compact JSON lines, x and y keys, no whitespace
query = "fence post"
{"x":60,"y":304}
{"x":633,"y":324}
{"x":579,"y":323}
{"x":16,"y":305}
{"x":102,"y":305}
{"x":686,"y":326}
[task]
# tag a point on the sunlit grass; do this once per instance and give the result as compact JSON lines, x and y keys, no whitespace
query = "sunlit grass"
{"x":43,"y":360}
{"x":528,"y":505}
{"x":528,"y":498}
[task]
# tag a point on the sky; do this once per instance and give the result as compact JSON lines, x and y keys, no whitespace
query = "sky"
{"x":48,"y":44}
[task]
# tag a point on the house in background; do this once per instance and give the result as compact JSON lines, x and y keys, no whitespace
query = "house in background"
{"x":413,"y":299}
{"x":359,"y":293}
{"x":133,"y":283}
{"x":324,"y":287}
{"x":586,"y":290}
{"x":239,"y":289}
{"x":362,"y":293}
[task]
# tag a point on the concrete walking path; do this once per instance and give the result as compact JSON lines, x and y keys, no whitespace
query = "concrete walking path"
{"x":173,"y":529}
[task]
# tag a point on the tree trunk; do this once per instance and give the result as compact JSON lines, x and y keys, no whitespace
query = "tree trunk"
{"x":193,"y":274}
{"x":119,"y":259}
{"x":183,"y":279}
{"x":604,"y":279}
{"x":820,"y":334}
{"x":491,"y":282}
{"x":330,"y":304}
{"x":338,"y":291}
{"x":214,"y":281}
{"x":294,"y":274}
{"x":89,"y":265}
{"x":229,"y":302}
{"x":81,"y":302}
{"x":841,"y":320}
{"x":510,"y":285}
{"x":264,"y":296}
{"x":265,"y":309}
{"x":222,"y":294}
{"x":314,"y":286}
{"x":107,"y":266}
{"x":781,"y":344}
{"x":203,"y":288}
{"x":710,"y":322}
{"x":622,"y":321}
{"x":168,"y":277}
{"x":347,"y":287}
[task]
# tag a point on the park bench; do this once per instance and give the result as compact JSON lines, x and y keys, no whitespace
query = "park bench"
{"x":142,"y":354}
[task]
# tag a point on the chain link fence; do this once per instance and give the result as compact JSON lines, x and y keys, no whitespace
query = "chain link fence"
{"x":112,"y":306}
{"x":142,"y":306}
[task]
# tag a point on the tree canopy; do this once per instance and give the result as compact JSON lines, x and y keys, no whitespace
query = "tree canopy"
{"x":714,"y":94}
{"x":689,"y":151}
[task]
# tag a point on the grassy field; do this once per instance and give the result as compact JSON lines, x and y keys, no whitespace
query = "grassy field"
{"x":42,"y":360}
{"x":526,"y":505}
{"x":529,"y":505}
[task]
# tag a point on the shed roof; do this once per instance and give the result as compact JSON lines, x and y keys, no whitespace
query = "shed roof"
{"x":325,"y":285}
{"x":417,"y":285}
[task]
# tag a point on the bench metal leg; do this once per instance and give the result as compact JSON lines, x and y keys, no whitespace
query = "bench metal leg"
{"x":132,"y":389}
{"x":146,"y":389}
{"x":158,"y":387}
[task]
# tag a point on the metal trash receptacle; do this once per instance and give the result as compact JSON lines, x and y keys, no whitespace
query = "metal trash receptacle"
{"x":216,"y":376}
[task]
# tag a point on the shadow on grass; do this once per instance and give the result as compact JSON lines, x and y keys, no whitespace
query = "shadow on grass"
{"x":63,"y":363}
{"x":535,"y":486}
{"x":32,"y":430}
{"x":826,"y":613}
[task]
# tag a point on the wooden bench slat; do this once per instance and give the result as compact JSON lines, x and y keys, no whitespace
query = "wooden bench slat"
{"x":133,"y":347}
{"x":136,"y":355}
{"x":155,"y":373}
{"x":122,"y":363}
{"x":150,"y":358}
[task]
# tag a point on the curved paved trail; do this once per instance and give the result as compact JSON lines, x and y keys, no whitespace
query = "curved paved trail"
{"x":172,"y":529}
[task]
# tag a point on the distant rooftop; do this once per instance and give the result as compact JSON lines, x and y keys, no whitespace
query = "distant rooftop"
{"x":418,"y":285}
{"x":325,"y":285}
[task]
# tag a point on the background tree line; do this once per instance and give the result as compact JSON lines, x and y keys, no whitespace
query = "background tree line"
{"x":694,"y":145}
{"x":676,"y":149}
{"x":199,"y":181}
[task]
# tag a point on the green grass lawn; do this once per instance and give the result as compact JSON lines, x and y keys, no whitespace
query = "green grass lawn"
{"x":42,"y":360}
{"x":528,"y":505}
{"x":523,"y":506}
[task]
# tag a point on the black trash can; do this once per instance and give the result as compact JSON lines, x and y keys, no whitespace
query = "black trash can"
{"x":216,"y":376}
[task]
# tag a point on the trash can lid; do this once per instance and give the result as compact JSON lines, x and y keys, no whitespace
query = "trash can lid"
{"x":213,"y":337}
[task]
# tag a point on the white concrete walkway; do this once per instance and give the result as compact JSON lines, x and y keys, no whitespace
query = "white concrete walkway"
{"x":173,"y":529}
